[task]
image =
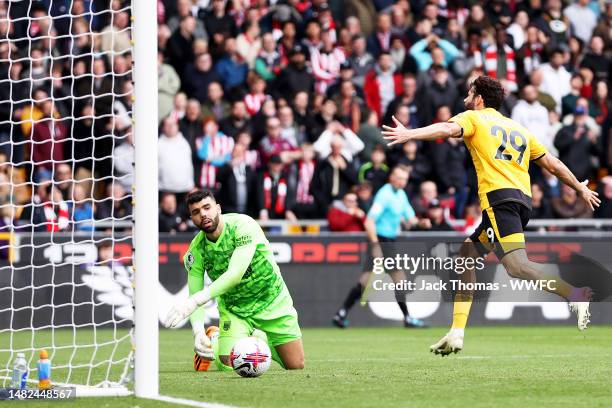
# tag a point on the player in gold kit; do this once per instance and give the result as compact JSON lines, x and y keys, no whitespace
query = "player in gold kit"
{"x":501,"y":150}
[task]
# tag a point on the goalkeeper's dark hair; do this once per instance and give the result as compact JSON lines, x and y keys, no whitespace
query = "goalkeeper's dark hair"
{"x":491,"y":91}
{"x":198,"y":195}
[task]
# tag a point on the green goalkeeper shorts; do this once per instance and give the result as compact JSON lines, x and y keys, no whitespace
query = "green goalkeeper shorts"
{"x":279,"y":321}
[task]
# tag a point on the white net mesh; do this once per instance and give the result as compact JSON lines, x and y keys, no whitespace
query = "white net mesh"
{"x":66,"y":166}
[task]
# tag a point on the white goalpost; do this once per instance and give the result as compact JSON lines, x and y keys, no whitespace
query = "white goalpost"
{"x":78,"y":194}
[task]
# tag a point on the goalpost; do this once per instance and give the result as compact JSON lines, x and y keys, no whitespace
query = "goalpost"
{"x":81,"y":286}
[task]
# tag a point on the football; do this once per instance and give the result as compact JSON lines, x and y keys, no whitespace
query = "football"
{"x":250,"y":357}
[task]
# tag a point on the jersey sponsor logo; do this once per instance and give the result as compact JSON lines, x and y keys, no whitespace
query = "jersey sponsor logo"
{"x":243,"y":240}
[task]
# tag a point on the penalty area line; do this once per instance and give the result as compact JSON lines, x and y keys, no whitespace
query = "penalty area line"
{"x":189,"y":403}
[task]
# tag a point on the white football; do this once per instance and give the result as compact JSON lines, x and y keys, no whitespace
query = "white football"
{"x":250,"y":357}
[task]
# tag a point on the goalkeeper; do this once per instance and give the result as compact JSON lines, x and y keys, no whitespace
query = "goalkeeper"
{"x":247,"y":284}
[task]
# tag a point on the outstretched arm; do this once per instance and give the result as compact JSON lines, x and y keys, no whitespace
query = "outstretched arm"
{"x":557,"y":168}
{"x":400,"y":134}
{"x":238,"y":265}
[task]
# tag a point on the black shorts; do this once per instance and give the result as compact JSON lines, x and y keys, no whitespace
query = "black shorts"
{"x":389,"y":249}
{"x":501,"y":228}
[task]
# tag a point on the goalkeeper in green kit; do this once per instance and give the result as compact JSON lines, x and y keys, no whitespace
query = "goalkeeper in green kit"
{"x":246,"y":282}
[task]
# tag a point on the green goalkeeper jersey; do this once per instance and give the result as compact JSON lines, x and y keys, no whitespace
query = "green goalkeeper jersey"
{"x":260,"y":284}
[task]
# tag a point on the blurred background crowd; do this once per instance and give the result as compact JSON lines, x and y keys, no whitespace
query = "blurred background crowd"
{"x":277,"y":105}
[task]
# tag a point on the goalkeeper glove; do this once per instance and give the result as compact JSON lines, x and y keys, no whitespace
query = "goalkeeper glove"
{"x":203,"y":346}
{"x":185,"y":308}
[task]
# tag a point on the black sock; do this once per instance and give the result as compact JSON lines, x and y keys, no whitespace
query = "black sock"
{"x":400,"y":296}
{"x":352,"y":297}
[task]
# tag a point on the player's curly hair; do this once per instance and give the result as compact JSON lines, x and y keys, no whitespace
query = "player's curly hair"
{"x":198,"y":195}
{"x":491,"y":91}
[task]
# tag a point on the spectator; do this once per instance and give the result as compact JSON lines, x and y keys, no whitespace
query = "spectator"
{"x":179,"y":105}
{"x":303,"y":204}
{"x":325,"y":63}
{"x":257,"y":94}
{"x":369,"y":133}
{"x":351,"y":144}
{"x":345,"y":215}
{"x":215,"y":106}
{"x":568,"y":205}
{"x":213,"y":151}
{"x":582,"y":19}
{"x":251,"y":156}
{"x":365,"y":195}
{"x":382,"y":85}
{"x":56,"y":211}
{"x":237,"y":179}
{"x":375,"y":171}
{"x":423,"y":51}
{"x":168,"y":84}
{"x":248,"y":43}
{"x":360,"y":59}
{"x":82,"y":210}
{"x":184,"y":9}
{"x":532,"y":53}
{"x":303,"y":115}
{"x":428,"y":192}
{"x":64,"y":180}
{"x":274,"y":144}
{"x":448,"y":159}
{"x":595,"y":59}
{"x":380,"y":40}
{"x":419,"y":113}
{"x":536,"y":79}
{"x":268,"y":62}
{"x":434,"y":218}
{"x":169,"y":219}
{"x":198,"y":76}
{"x":289,"y":127}
{"x":123,"y":159}
{"x":231,"y":68}
{"x":349,"y":105}
{"x":413,"y":158}
{"x":441,"y":91}
{"x":295,"y":77}
{"x":346,"y":74}
{"x":540,"y":206}
{"x":116,"y":205}
{"x":217,"y":22}
{"x":555,"y":78}
{"x":333,"y":176}
{"x":191,"y":124}
{"x":568,"y":102}
{"x":174,"y":160}
{"x":531,"y":114}
{"x":499,"y":60}
{"x":116,"y":37}
{"x":577,"y":144}
{"x":48,"y":140}
{"x":238,"y":120}
{"x":180,"y":45}
{"x":518,"y":29}
{"x":272,"y":191}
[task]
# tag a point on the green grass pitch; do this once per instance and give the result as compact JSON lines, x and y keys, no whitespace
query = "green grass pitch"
{"x":392,"y":367}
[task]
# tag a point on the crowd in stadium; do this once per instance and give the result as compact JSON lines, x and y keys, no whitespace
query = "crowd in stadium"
{"x":277,"y":106}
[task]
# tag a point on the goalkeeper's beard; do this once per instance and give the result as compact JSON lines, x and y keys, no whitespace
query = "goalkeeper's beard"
{"x":214,"y":223}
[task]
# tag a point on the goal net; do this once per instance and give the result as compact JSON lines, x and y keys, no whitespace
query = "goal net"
{"x":66,"y":174}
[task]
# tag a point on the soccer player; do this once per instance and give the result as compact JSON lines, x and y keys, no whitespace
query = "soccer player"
{"x":389,"y":210}
{"x":246,"y":281}
{"x":501,"y":150}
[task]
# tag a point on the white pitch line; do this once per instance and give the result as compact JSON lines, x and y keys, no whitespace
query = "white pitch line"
{"x":190,"y":403}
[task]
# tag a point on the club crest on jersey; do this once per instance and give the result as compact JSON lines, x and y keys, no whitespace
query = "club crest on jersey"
{"x":189,"y":260}
{"x":226,"y":325}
